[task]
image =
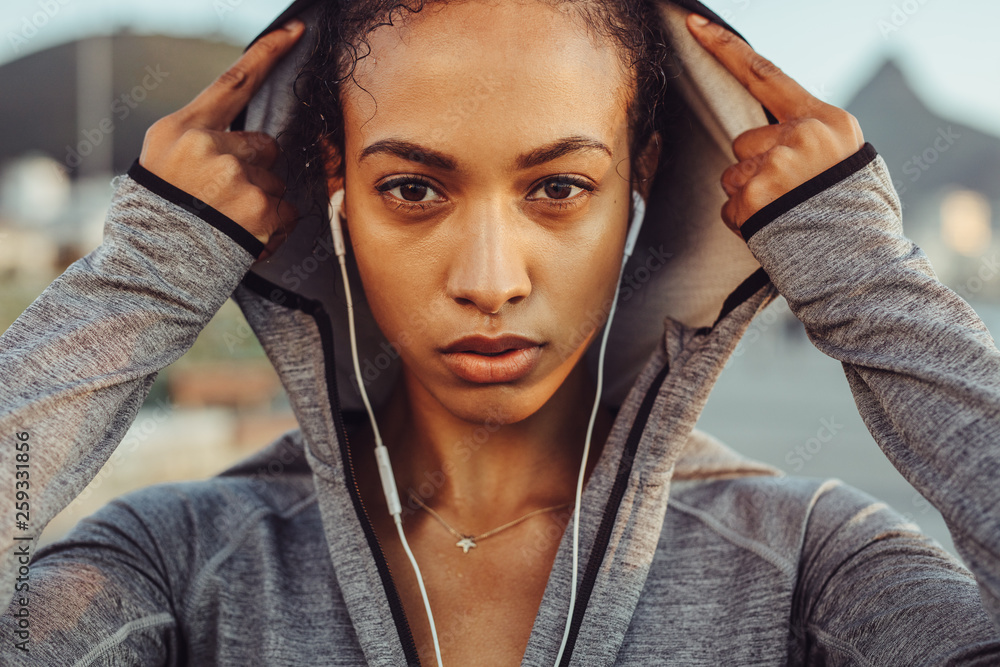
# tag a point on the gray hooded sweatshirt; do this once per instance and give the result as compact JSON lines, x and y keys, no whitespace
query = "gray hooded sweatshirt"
{"x":690,"y":553}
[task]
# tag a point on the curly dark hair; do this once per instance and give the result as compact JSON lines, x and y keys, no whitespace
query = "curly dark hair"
{"x":314,"y":140}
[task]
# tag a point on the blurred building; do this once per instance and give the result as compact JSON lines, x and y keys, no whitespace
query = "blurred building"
{"x":948,"y":178}
{"x":87,"y":104}
{"x":79,"y":113}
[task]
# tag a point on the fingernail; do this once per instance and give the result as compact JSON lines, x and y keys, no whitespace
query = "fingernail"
{"x":699,"y":20}
{"x":293,"y":25}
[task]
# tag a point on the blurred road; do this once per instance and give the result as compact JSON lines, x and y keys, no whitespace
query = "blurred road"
{"x":776,"y":401}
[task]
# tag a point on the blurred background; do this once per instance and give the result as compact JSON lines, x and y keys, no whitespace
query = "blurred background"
{"x":81,"y":80}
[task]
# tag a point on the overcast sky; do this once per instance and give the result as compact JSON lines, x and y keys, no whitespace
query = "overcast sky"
{"x":947,"y":48}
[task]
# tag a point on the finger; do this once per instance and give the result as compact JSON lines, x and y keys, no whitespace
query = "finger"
{"x":738,"y":175}
{"x":756,"y":141}
{"x":287,"y":221}
{"x":730,"y":213}
{"x":777,"y":91}
{"x":220,"y":103}
{"x":263,"y":214}
{"x":277,"y":238}
{"x":286,"y":215}
{"x":283,"y":217}
{"x":266,"y":181}
{"x":254,"y":148}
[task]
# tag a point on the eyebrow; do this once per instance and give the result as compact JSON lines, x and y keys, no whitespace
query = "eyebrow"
{"x":414,"y":152}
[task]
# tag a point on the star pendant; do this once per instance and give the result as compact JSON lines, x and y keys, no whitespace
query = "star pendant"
{"x":466,"y":543}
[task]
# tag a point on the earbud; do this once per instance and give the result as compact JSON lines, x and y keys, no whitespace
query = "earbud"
{"x":336,"y":215}
{"x":638,"y":213}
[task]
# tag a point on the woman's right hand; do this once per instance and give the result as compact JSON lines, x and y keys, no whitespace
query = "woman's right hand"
{"x":230,"y":171}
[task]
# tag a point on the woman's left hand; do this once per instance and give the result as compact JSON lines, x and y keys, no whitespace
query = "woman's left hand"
{"x":810,"y":137}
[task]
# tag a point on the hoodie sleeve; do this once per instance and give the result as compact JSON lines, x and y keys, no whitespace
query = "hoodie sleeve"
{"x":76,"y":366}
{"x":923,"y":367}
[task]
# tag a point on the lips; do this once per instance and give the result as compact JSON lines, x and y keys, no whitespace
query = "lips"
{"x":486,"y":360}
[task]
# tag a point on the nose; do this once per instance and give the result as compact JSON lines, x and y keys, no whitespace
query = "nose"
{"x":488,"y":265}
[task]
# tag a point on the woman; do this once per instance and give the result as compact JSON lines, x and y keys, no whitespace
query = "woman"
{"x":489,"y":161}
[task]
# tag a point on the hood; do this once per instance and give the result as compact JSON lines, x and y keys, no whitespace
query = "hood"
{"x":670,"y":338}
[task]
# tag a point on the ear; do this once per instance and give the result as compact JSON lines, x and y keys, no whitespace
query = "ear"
{"x":646,"y":165}
{"x":331,"y":165}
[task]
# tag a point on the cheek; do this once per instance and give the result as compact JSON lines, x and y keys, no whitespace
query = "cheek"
{"x":573,"y":279}
{"x":397,"y":287}
{"x":580,"y":278}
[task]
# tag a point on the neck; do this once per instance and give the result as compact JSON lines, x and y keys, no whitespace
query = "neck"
{"x":480,"y":475}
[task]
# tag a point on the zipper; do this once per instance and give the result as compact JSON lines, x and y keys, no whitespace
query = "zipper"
{"x":600,"y":543}
{"x":603,"y":533}
{"x":750,"y":286}
{"x":266,"y":289}
{"x":382,"y":564}
{"x":603,"y":536}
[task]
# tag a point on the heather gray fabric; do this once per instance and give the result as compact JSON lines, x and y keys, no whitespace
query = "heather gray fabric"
{"x":710,"y":558}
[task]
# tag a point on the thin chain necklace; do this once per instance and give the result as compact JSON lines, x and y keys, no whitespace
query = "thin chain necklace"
{"x":466,"y":542}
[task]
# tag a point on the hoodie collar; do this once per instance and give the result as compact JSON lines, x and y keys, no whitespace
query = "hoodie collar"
{"x":694,"y":289}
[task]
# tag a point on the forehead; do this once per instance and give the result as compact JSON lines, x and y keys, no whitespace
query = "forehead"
{"x":503,"y":76}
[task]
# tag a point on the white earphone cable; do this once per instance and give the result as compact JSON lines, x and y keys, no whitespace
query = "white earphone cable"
{"x":382,"y":453}
{"x":639,"y":207}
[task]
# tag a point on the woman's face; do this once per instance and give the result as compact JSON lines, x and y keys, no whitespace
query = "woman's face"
{"x":487,"y":194}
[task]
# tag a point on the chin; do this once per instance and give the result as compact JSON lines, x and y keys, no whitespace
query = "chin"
{"x":495,"y":406}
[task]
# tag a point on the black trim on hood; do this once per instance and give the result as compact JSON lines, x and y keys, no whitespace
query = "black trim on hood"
{"x":603,"y":537}
{"x":813,"y":186}
{"x":314,"y":309}
{"x":746,"y":289}
{"x":192,"y":204}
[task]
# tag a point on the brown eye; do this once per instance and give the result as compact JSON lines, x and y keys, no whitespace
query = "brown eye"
{"x":413,"y":192}
{"x":563,"y":191}
{"x":558,"y":189}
